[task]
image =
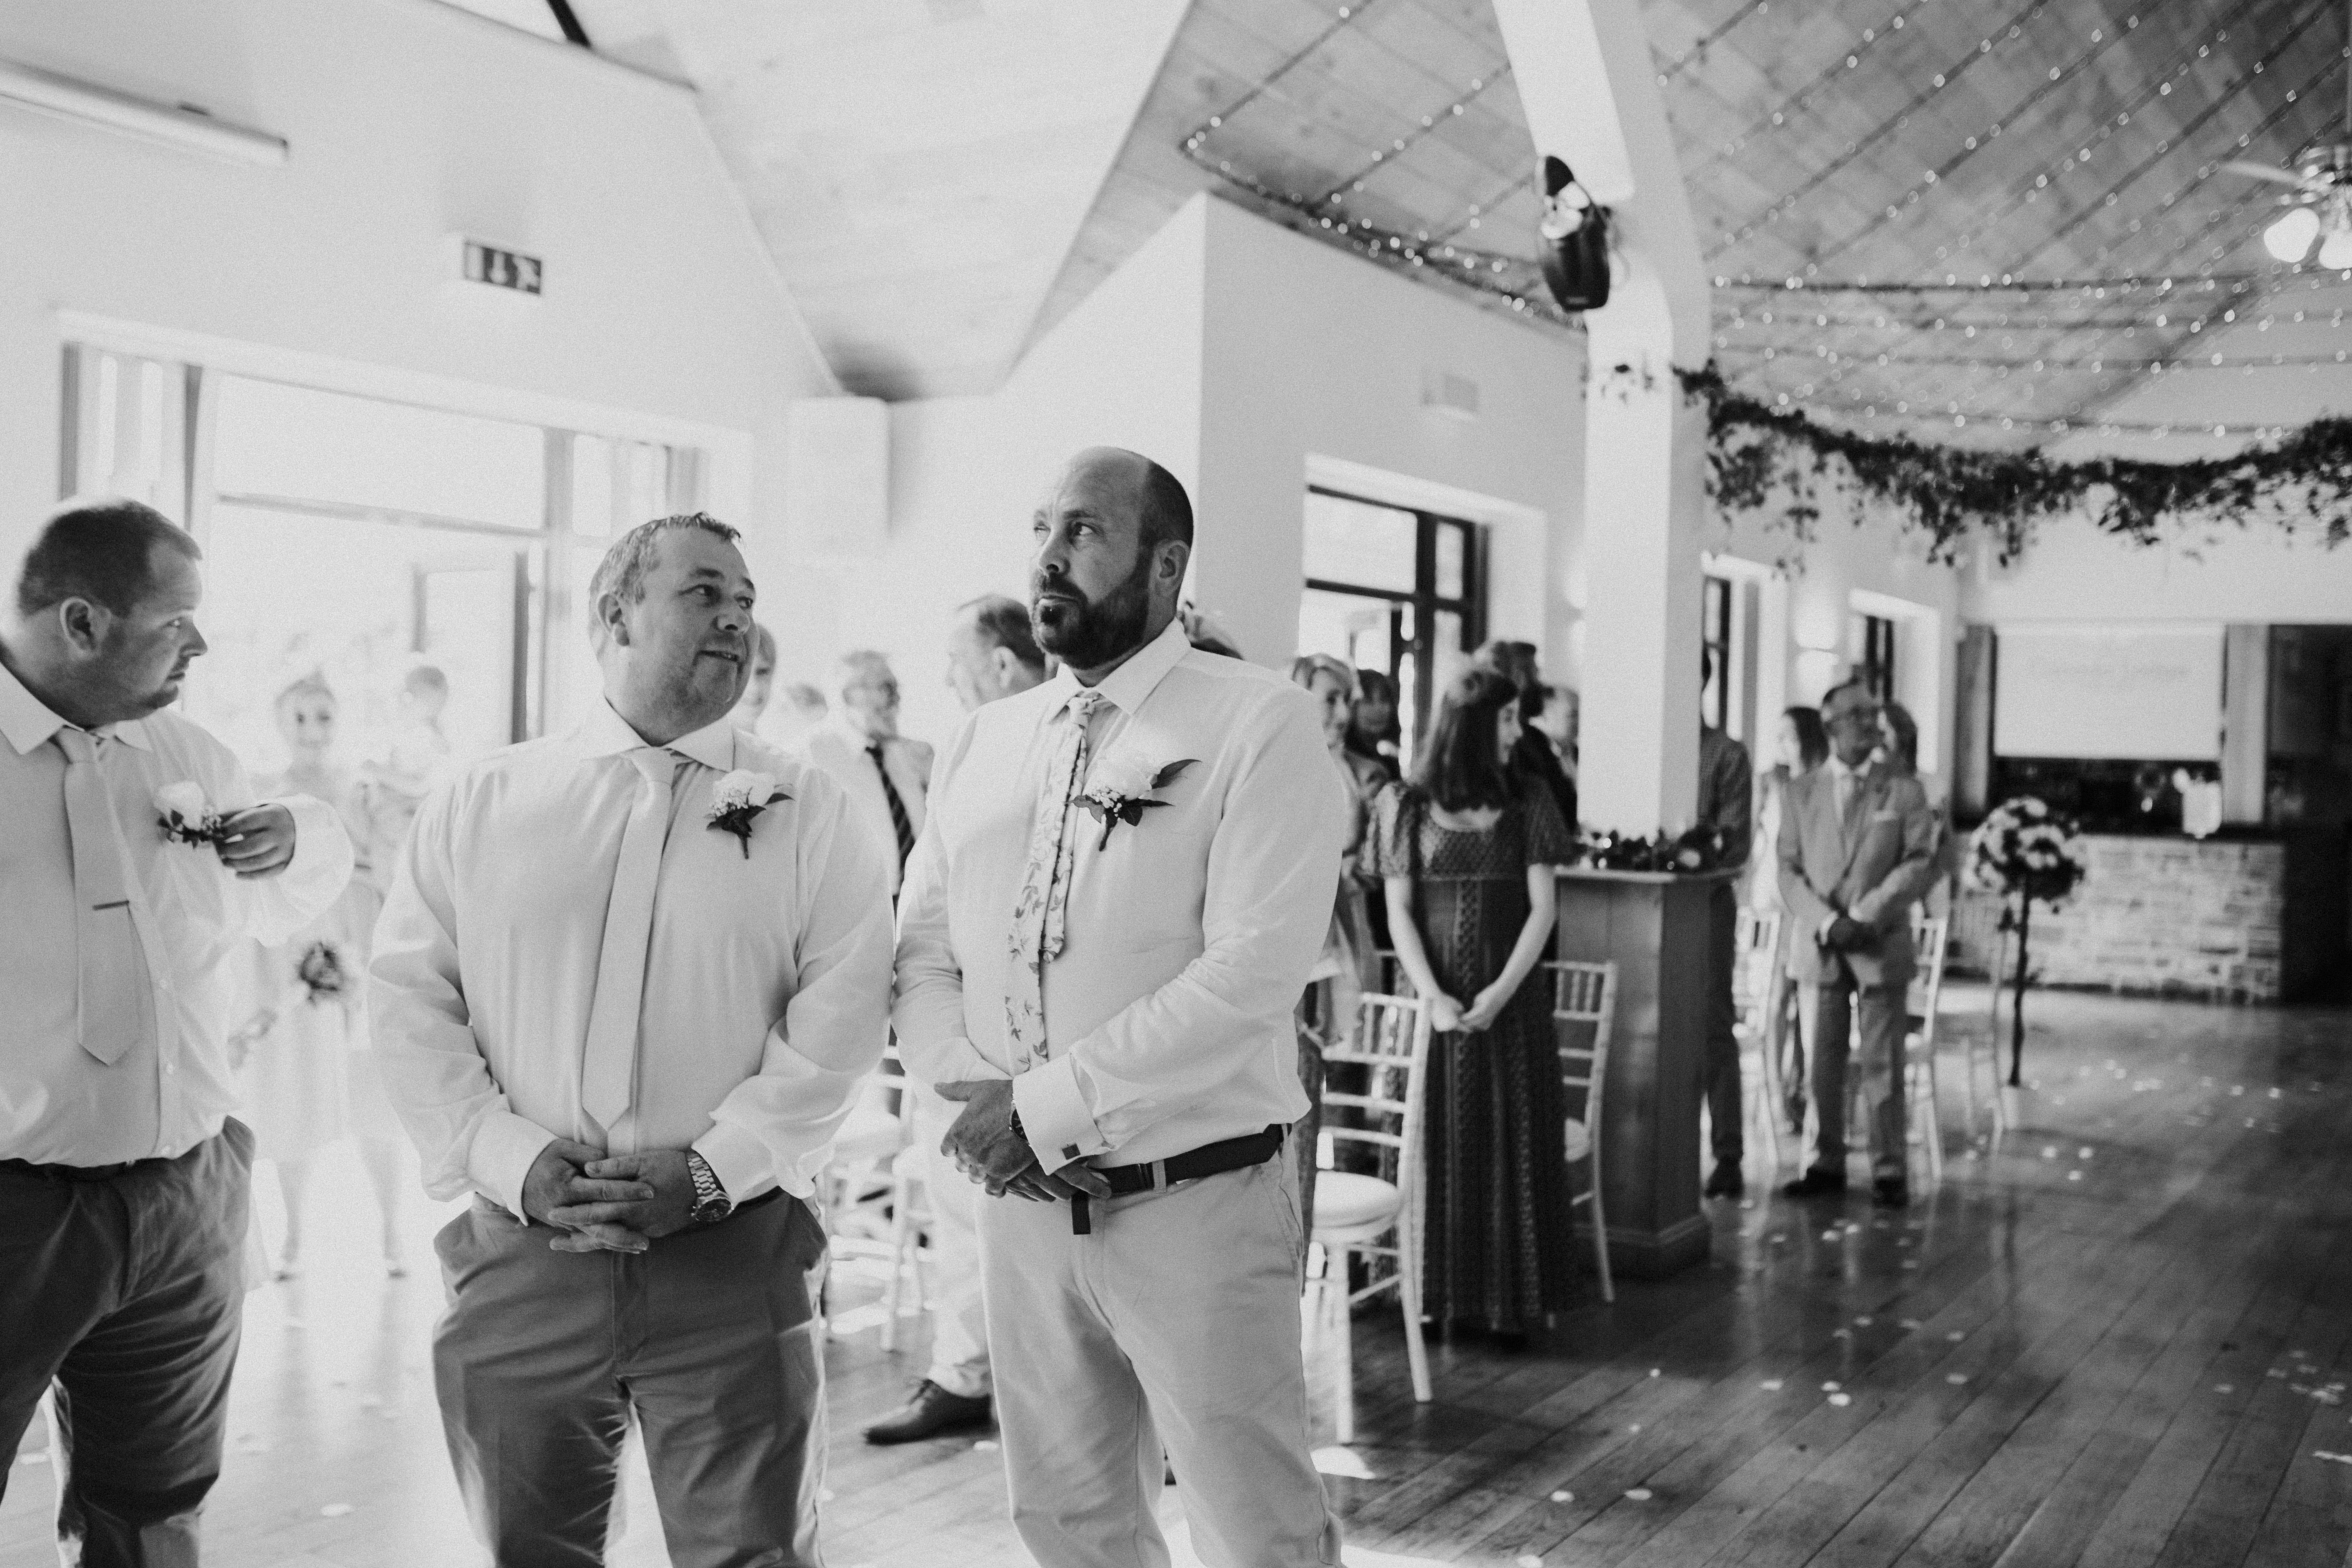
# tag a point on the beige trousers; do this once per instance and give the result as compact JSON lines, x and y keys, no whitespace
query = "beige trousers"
{"x":1174,"y":1324}
{"x":958,"y":1317}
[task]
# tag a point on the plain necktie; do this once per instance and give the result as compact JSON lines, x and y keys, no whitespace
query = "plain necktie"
{"x":608,"y":1066}
{"x":113,"y":967}
{"x":900,"y":823}
{"x":1044,"y":898}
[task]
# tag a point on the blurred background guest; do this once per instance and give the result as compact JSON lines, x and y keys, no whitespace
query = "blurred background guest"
{"x":798,"y":708}
{"x":752,"y":705}
{"x":1532,"y":755}
{"x":391,"y":787}
{"x":1799,"y":745}
{"x":885,"y":774}
{"x":1563,"y":709}
{"x":303,"y":1067}
{"x":1726,"y":792}
{"x":1466,"y":852}
{"x":1374,"y":732}
{"x":1350,"y":964}
{"x":992,"y":650}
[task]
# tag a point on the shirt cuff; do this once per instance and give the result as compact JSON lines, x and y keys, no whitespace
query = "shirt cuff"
{"x":1827,"y":923}
{"x":738,"y":1160}
{"x":1054,"y":1115}
{"x":322,"y":848}
{"x":504,"y":1149}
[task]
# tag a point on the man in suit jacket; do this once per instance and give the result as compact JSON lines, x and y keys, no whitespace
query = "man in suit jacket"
{"x":1727,"y":789}
{"x":1857,"y":850}
{"x":885,"y":774}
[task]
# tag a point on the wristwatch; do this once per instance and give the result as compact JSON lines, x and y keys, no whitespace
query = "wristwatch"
{"x":711,"y":1202}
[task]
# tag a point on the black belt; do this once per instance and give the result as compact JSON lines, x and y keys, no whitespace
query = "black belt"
{"x":76,"y":1172}
{"x":1208,"y":1160}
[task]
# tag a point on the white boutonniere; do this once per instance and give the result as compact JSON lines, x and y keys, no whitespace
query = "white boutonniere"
{"x":186,"y":816}
{"x":1119,"y":787}
{"x":738,"y":799}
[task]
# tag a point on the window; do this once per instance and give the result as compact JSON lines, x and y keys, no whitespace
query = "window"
{"x":1395,"y":590}
{"x":360,"y":538}
{"x":1874,"y":663}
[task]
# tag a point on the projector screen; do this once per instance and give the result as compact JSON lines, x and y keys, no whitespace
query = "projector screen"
{"x":2141,"y":693}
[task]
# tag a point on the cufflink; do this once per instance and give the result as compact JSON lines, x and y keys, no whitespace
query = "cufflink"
{"x":1069,"y":1151}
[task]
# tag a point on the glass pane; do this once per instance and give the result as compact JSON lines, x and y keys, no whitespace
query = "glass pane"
{"x":591,"y":487}
{"x":1355,"y":541}
{"x":300,"y":443}
{"x":1453,"y":542}
{"x":1347,"y":627}
{"x":364,"y":603}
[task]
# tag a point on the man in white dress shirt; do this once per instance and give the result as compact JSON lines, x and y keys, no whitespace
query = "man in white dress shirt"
{"x":124,"y":1181}
{"x":630,"y":1023}
{"x":992,"y":654}
{"x":1110,"y":996}
{"x":885,"y":774}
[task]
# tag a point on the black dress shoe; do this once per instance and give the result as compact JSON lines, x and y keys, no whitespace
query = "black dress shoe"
{"x":1726,"y":1182}
{"x":932,"y":1410}
{"x":1817,"y":1183}
{"x":1891,"y":1192}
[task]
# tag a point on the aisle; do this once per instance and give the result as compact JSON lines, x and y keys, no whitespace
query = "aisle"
{"x":2120,"y":1339}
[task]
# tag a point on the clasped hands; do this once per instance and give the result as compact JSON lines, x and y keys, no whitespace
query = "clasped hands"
{"x":1448,"y":1017}
{"x":608,"y":1202}
{"x":983,"y":1144}
{"x":1844,"y":934}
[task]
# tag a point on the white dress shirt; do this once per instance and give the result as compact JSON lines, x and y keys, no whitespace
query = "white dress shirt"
{"x":171,"y":1090}
{"x":844,"y":754}
{"x":766,"y":983}
{"x":1189,"y":935}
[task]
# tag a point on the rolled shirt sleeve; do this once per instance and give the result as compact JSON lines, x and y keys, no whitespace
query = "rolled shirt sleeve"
{"x":776,"y":1127}
{"x":1273,"y":873}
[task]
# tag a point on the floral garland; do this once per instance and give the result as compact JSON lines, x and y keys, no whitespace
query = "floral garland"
{"x":2301,"y":484}
{"x":1698,"y":849}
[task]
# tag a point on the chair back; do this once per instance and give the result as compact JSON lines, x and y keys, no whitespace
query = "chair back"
{"x":1391,"y":1042}
{"x":1756,"y":958}
{"x":1931,"y":937}
{"x":1583,"y":1008}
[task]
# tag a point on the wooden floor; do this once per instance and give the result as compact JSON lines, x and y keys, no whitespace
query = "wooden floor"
{"x":2120,"y":1339}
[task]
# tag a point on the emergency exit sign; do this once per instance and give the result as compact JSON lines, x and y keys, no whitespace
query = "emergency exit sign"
{"x":499,"y":269}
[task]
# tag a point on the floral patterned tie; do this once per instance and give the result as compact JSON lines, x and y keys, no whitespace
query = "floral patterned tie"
{"x":1037,"y":915}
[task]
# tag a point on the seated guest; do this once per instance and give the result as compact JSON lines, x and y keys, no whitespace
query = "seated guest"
{"x":885,"y":774}
{"x":1532,"y":756}
{"x":1372,"y":729}
{"x":1857,"y":849}
{"x":123,"y":1180}
{"x":1466,"y":852}
{"x":625,"y":1013}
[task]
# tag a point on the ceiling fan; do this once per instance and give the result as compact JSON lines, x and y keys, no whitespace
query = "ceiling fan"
{"x":2320,"y":206}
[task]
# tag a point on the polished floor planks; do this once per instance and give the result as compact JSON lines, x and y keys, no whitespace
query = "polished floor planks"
{"x":2116,"y":1332}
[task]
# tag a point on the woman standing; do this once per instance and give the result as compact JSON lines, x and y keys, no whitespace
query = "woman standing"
{"x":1465,"y":853}
{"x":1373,"y":731}
{"x":1800,"y":745}
{"x":307,"y":1077}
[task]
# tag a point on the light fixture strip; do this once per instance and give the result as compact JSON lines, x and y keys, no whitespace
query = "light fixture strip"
{"x":85,"y":103}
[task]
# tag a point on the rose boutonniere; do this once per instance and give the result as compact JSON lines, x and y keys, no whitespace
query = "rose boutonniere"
{"x":186,"y":816}
{"x":738,"y":799}
{"x":1119,"y":787}
{"x":322,"y":972}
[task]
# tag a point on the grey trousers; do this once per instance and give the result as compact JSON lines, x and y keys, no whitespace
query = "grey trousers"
{"x":709,"y":1336}
{"x":1175,"y":1324}
{"x":127,"y":1295}
{"x":1881,"y":1009}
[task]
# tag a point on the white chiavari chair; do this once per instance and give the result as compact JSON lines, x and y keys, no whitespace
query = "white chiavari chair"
{"x":1584,"y":996}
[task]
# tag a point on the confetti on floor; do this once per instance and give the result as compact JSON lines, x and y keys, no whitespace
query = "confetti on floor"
{"x":1529,"y":1560}
{"x":2336,"y":1458}
{"x":2225,"y":1388}
{"x":1955,"y":1336}
{"x":1563,"y":1497}
{"x":1831,"y":1387}
{"x":334,"y":1510}
{"x":1956,"y":1378}
{"x":1339,"y":1461}
{"x":1841,"y":1400}
{"x":1639,"y":1494}
{"x":1771,"y":1385}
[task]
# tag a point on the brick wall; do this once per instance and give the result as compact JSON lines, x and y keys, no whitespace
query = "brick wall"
{"x":2161,"y":916}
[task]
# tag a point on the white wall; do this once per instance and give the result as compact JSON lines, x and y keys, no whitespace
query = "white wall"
{"x":407,"y":119}
{"x":2202,"y":572}
{"x":1316,"y":356}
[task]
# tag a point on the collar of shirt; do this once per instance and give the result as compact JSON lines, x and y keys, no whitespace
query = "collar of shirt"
{"x":1126,"y":687}
{"x":604,"y":734}
{"x":28,"y":723}
{"x":855,"y":739}
{"x":1845,"y":775}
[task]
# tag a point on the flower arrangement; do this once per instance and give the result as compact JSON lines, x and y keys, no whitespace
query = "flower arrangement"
{"x":187,"y":816}
{"x":1698,"y":849}
{"x":320,"y":970}
{"x":738,"y":799}
{"x":2025,"y":853}
{"x":1119,"y":785}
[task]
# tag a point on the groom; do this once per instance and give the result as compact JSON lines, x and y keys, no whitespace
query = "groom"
{"x":1108,"y":991}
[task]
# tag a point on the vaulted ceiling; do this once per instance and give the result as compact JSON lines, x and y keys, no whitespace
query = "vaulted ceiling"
{"x":2006,"y":221}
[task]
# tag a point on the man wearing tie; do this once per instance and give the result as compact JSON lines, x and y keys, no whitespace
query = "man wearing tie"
{"x":1108,"y":991}
{"x":883,"y":773}
{"x":629,"y":1020}
{"x":124,"y":1181}
{"x":1857,"y":852}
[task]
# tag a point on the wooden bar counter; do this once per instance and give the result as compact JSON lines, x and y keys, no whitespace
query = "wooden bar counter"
{"x":1654,"y":925}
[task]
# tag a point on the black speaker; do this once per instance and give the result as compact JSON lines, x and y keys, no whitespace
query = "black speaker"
{"x":1572,"y":241}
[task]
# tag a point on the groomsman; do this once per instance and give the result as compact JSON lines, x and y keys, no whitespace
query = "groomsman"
{"x":625,"y":987}
{"x":992,"y":654}
{"x":122,"y":1178}
{"x":1111,"y":996}
{"x":1857,"y":852}
{"x":885,"y":774}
